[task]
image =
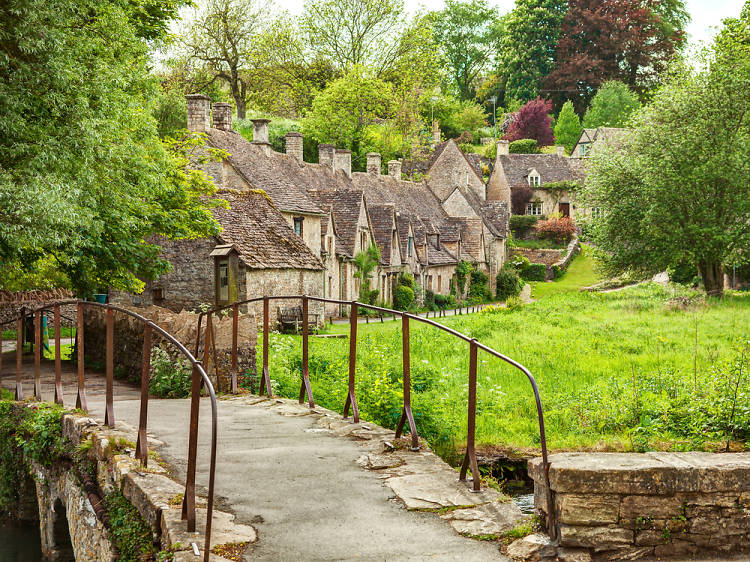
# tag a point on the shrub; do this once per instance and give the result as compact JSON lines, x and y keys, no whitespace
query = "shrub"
{"x":441,"y":301}
{"x":520,"y":225}
{"x":403,"y":297}
{"x":535,"y":272}
{"x":524,"y":146}
{"x":519,"y":262}
{"x":558,"y":229}
{"x":429,"y":299}
{"x":508,"y":283}
{"x":478,"y":291}
{"x":169,"y":378}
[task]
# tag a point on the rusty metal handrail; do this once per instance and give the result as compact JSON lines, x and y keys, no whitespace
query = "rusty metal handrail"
{"x":469,"y":461}
{"x":199,"y":379}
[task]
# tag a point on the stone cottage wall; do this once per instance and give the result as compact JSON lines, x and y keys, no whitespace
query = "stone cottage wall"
{"x":630,"y":506}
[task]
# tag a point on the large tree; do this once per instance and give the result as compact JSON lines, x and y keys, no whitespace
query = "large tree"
{"x":533,"y":122}
{"x":528,"y":45}
{"x":468,"y":34}
{"x":568,"y":127}
{"x":84,"y":177}
{"x":612,"y":106}
{"x":676,"y":189}
{"x":611,"y":39}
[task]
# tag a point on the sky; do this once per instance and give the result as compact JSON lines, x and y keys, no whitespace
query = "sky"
{"x":706,"y":15}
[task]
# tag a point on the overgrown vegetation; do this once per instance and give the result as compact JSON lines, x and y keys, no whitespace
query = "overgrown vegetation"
{"x":170,"y":378}
{"x":129,"y":532}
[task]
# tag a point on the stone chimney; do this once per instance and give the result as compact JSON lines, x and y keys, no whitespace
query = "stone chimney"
{"x":560,"y":151}
{"x":294,"y":145}
{"x":374,"y":161}
{"x":435,"y":132}
{"x":223,"y":116}
{"x":198,"y":112}
{"x":394,"y":169}
{"x":260,"y":130}
{"x":325,"y":154}
{"x":342,"y":160}
{"x":503,"y":148}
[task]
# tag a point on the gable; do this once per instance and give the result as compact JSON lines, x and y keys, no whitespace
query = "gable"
{"x":450,"y":170}
{"x":456,"y":205}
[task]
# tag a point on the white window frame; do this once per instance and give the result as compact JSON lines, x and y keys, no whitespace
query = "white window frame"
{"x":534,"y":180}
{"x":535,"y":208}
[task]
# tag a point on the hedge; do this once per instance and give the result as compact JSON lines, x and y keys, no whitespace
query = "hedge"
{"x":523,"y":146}
{"x":520,"y":225}
{"x":535,"y":272}
{"x":403,"y":297}
{"x":509,"y":284}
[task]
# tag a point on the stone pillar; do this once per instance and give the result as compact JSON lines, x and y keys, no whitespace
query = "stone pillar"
{"x":435,"y":132}
{"x":394,"y":169}
{"x":223,"y":116}
{"x":503,"y":148}
{"x":325,"y":154}
{"x":294,"y":145}
{"x":374,"y":161}
{"x":561,"y":151}
{"x":198,"y":112}
{"x":342,"y":160}
{"x":260,"y":130}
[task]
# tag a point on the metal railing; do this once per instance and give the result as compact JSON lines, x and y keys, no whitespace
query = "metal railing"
{"x":199,"y":379}
{"x":469,"y":460}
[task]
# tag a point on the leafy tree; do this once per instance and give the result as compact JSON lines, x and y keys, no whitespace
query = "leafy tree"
{"x":528,"y":47}
{"x":533,"y":122}
{"x":84,"y":177}
{"x":611,"y":106}
{"x":684,"y":199}
{"x":568,"y":128}
{"x":365,"y":263}
{"x":524,"y":146}
{"x":604,"y":40}
{"x":454,"y":116}
{"x":468,"y":35}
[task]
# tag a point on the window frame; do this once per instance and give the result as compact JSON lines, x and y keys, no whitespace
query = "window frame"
{"x":535,"y":208}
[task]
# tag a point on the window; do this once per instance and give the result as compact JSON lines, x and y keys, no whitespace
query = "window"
{"x":224,"y":280}
{"x":330,"y":286}
{"x":534,"y":180}
{"x":298,"y":225}
{"x":440,"y":283}
{"x":362,"y":241}
{"x":157,"y":294}
{"x":597,"y":212}
{"x":329,"y":244}
{"x":411,"y":245}
{"x":584,"y":150}
{"x":534,"y":208}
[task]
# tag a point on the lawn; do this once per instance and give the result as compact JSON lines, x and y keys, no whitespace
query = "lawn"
{"x":581,"y":273}
{"x":643,"y":368}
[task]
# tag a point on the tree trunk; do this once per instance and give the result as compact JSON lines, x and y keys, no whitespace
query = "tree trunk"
{"x":712,"y":274}
{"x":240,"y":103}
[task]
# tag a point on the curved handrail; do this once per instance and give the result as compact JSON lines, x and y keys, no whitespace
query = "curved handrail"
{"x":475,"y":345}
{"x":203,"y":380}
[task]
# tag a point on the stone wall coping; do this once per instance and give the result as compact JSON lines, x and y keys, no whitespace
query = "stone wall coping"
{"x":659,"y":473}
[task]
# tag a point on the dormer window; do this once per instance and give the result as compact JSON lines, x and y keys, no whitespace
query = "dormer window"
{"x":298,"y":225}
{"x":411,"y":245}
{"x":534,"y":180}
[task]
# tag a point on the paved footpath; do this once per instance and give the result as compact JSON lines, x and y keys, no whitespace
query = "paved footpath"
{"x":295,"y":481}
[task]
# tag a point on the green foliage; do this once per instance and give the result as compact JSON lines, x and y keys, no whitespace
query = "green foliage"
{"x":612,"y":106}
{"x":564,"y":185}
{"x":524,"y":146}
{"x":478,"y":289}
{"x":11,"y":455}
{"x":129,"y":532}
{"x":365,"y":263}
{"x":568,"y":128}
{"x":463,"y":271}
{"x":540,"y":244}
{"x":521,"y":225}
{"x":509,"y":284}
{"x":534,"y":272}
{"x":406,"y":279}
{"x":455,"y":116}
{"x":170,"y":111}
{"x":169,"y":378}
{"x":403,"y":297}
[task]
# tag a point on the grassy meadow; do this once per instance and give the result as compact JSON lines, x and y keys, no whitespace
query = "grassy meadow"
{"x":648,"y":367}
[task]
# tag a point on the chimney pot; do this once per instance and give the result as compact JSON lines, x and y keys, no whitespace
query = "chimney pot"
{"x":394,"y":169}
{"x":560,"y":151}
{"x":374,"y":161}
{"x":294,"y":145}
{"x":325,"y":154}
{"x":342,"y":160}
{"x":503,"y":148}
{"x":260,"y":130}
{"x":223,"y":116}
{"x":198,"y":112}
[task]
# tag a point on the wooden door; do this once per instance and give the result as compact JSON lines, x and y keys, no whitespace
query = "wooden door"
{"x":565,"y":209}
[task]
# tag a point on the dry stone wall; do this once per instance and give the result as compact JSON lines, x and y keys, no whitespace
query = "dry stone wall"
{"x":628,"y":506}
{"x":12,"y":302}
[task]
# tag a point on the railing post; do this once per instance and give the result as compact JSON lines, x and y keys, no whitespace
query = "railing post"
{"x":81,"y":396}
{"x":109,"y":414}
{"x":470,"y":458}
{"x":265,"y":379}
{"x":37,"y":354}
{"x":58,"y":358}
{"x":305,"y":386}
{"x":188,"y":501}
{"x":406,"y":414}
{"x":210,"y":328}
{"x":19,"y":357}
{"x":141,"y":446}
{"x":235,"y":329}
{"x":1,"y":354}
{"x":351,"y":398}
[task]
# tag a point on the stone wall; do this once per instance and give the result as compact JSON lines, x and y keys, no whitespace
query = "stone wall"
{"x":570,"y":252}
{"x":547,"y":257}
{"x":12,"y":302}
{"x":628,"y":506}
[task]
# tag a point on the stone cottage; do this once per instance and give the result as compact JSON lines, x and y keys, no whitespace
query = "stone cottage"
{"x":590,"y":136}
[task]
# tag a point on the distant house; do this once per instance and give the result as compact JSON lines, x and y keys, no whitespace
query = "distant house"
{"x":590,"y":136}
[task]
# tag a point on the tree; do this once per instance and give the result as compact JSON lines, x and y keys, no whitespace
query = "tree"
{"x":468,"y":35}
{"x":84,"y":177}
{"x":365,"y":262}
{"x":684,"y":199}
{"x":603,"y":40}
{"x":568,"y":128}
{"x":528,"y":46}
{"x":611,"y":106}
{"x":225,"y":38}
{"x":533,"y":122}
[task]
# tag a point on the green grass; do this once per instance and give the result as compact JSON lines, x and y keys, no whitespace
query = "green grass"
{"x":581,"y":273}
{"x":539,"y":244}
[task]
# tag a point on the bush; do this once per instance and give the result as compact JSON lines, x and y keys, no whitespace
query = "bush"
{"x":169,"y":378}
{"x":509,"y":284}
{"x":403,"y":297}
{"x":558,"y":229}
{"x":521,"y":225}
{"x":524,"y":146}
{"x":519,"y":262}
{"x":406,"y":279}
{"x":535,"y":272}
{"x":478,"y":290}
{"x":684,"y":274}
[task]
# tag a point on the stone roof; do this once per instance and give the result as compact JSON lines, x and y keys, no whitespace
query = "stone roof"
{"x":551,"y":168}
{"x":471,"y":237}
{"x":412,"y":198}
{"x":439,"y":256}
{"x":345,"y":205}
{"x":403,"y":222}
{"x":496,"y":216}
{"x":261,"y":236}
{"x":382,"y":220}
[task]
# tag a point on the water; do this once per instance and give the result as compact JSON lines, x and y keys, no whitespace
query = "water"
{"x":20,"y":542}
{"x":525,"y":502}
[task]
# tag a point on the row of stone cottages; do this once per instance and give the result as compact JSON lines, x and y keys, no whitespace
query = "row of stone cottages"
{"x":294,"y":227}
